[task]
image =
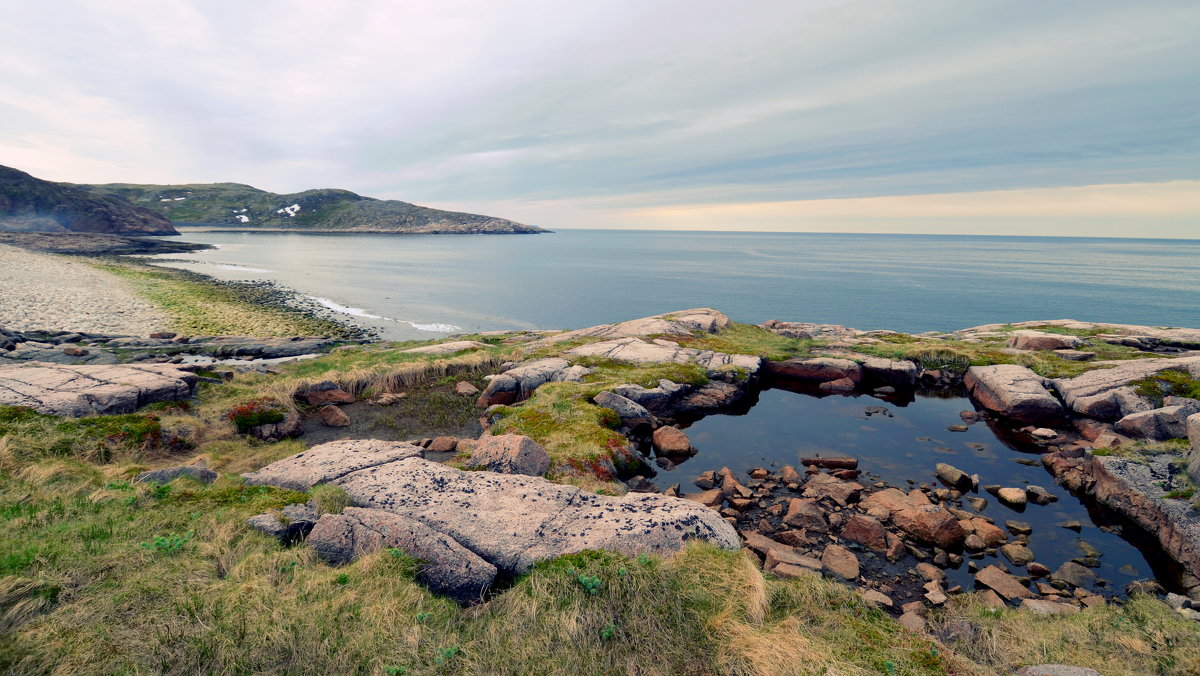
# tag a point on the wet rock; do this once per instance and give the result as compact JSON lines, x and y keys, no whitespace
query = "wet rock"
{"x":977,"y":503}
{"x":1036,"y":569}
{"x":169,"y":474}
{"x":1018,"y":554}
{"x":806,"y":514}
{"x":828,"y":486}
{"x":866,"y":531}
{"x":789,"y":475}
{"x":1007,"y":586}
{"x":1075,"y":575}
{"x":1013,"y":497}
{"x":447,"y":567}
{"x":841,"y":385}
{"x":930,"y":524}
{"x":1018,"y":527}
{"x":897,"y":374}
{"x":930,"y":572}
{"x":836,"y":462}
{"x":711,"y":498}
{"x":815,"y":370}
{"x":1039,"y":496}
{"x":668,"y":440}
{"x":1014,"y":392}
{"x":953,"y":476}
{"x":1072,"y":525}
{"x":974,"y":543}
{"x":510,"y":454}
{"x":841,"y":562}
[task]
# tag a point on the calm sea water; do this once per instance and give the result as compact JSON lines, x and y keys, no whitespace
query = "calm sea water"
{"x":420,"y":285}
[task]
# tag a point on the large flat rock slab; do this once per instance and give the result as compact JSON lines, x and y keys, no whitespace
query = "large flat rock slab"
{"x":638,"y":351}
{"x":510,"y":521}
{"x":331,"y":461}
{"x":1014,"y":392}
{"x":77,"y":391}
{"x":1153,"y":335}
{"x":1105,"y":393}
{"x":679,"y":323}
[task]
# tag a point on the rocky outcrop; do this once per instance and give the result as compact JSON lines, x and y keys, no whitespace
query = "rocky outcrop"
{"x":1142,"y":337}
{"x":1159,"y":424}
{"x":1040,"y":340}
{"x":901,"y":375}
{"x":169,"y":474}
{"x":446,"y":568}
{"x":29,"y":204}
{"x":510,"y":454}
{"x":634,"y":416}
{"x":92,"y":390}
{"x":52,"y":347}
{"x":1193,"y":457}
{"x":815,"y":370}
{"x":1105,"y":394}
{"x":518,"y":384}
{"x":679,"y":323}
{"x":638,"y":351}
{"x":1013,"y":392}
{"x":511,"y":521}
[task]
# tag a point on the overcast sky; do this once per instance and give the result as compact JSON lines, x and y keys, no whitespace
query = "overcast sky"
{"x":1064,"y":117}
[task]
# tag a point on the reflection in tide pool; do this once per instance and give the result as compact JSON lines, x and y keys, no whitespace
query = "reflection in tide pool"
{"x":901,"y":444}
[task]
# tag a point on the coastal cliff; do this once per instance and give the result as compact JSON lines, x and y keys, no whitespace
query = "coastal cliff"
{"x":30,"y":204}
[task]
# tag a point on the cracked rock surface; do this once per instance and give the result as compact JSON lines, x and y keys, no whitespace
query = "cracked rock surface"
{"x":509,"y":521}
{"x":92,"y":389}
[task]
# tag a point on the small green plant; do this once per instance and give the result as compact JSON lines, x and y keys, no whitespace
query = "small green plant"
{"x":160,"y":491}
{"x":590,"y":584}
{"x":608,"y":631}
{"x":255,"y":412}
{"x":289,"y":570}
{"x":1181,"y":494}
{"x":422,"y":618}
{"x":168,"y":544}
{"x":119,"y":486}
{"x":447,"y":654}
{"x":330,"y":499}
{"x":395,"y":671}
{"x":343,"y":579}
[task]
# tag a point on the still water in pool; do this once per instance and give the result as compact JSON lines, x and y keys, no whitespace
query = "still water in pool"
{"x":900,"y":444}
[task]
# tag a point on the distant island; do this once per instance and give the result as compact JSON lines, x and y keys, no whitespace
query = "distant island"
{"x":234,"y":206}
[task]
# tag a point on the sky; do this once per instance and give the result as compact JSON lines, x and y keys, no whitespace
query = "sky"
{"x":942,"y":116}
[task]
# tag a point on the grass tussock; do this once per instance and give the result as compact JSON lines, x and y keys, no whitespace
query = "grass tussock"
{"x":1143,"y":636}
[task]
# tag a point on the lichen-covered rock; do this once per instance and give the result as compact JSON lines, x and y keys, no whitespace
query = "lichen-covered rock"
{"x":446,"y":566}
{"x":1105,"y":394}
{"x":518,"y":383}
{"x":331,"y":461}
{"x":679,"y":323}
{"x":510,"y":454}
{"x":1014,"y":392}
{"x":1040,"y":340}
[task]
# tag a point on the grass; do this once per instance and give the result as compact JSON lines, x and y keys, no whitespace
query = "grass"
{"x":1143,"y":636}
{"x":748,"y":339}
{"x":1171,"y":382}
{"x":198,"y":305}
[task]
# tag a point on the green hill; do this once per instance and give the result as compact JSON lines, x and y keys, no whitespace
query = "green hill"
{"x":243,"y":207}
{"x":30,"y":204}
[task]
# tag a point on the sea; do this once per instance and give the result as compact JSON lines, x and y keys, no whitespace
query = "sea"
{"x":426,"y":286}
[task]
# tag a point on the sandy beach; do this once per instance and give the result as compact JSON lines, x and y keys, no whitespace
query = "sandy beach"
{"x":44,"y":291}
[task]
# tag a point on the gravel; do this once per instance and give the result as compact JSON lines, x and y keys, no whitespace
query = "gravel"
{"x":54,"y":293}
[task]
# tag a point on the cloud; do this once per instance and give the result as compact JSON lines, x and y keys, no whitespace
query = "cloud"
{"x":535,"y":101}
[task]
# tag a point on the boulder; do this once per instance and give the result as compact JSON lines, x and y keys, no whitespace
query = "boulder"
{"x":931,"y":524}
{"x":1040,"y":340}
{"x":327,"y":392}
{"x":517,"y":384}
{"x":446,"y":348}
{"x":169,"y":474}
{"x":442,"y":444}
{"x":1160,"y":424}
{"x":1075,"y":575}
{"x":711,"y":498}
{"x":638,"y":351}
{"x":679,"y":323}
{"x":833,"y":488}
{"x":332,"y":416}
{"x":446,"y":566}
{"x":815,"y":370}
{"x":1014,"y":392}
{"x":465,"y":389}
{"x":1017,"y":554}
{"x":901,"y":375}
{"x":806,"y":514}
{"x":1002,"y":583}
{"x":866,"y":531}
{"x":633,"y":415}
{"x":670,"y":440}
{"x":953,"y":476}
{"x":290,"y":526}
{"x":1013,"y":497}
{"x":841,"y":562}
{"x":510,"y":454}
{"x":78,"y":391}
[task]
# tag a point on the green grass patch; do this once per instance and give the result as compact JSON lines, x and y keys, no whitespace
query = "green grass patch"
{"x":612,"y":372}
{"x":1171,"y":382}
{"x":102,"y":439}
{"x":199,"y":305}
{"x":957,"y":355}
{"x":748,"y":339}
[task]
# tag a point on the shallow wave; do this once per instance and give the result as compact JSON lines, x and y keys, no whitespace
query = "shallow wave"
{"x":242,"y":268}
{"x":359,"y":312}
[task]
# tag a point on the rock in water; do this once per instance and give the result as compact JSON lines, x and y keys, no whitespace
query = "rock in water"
{"x":1014,"y":392}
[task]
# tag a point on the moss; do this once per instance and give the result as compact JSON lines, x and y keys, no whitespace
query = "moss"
{"x":647,"y":375}
{"x":1171,"y":382}
{"x":748,"y":339}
